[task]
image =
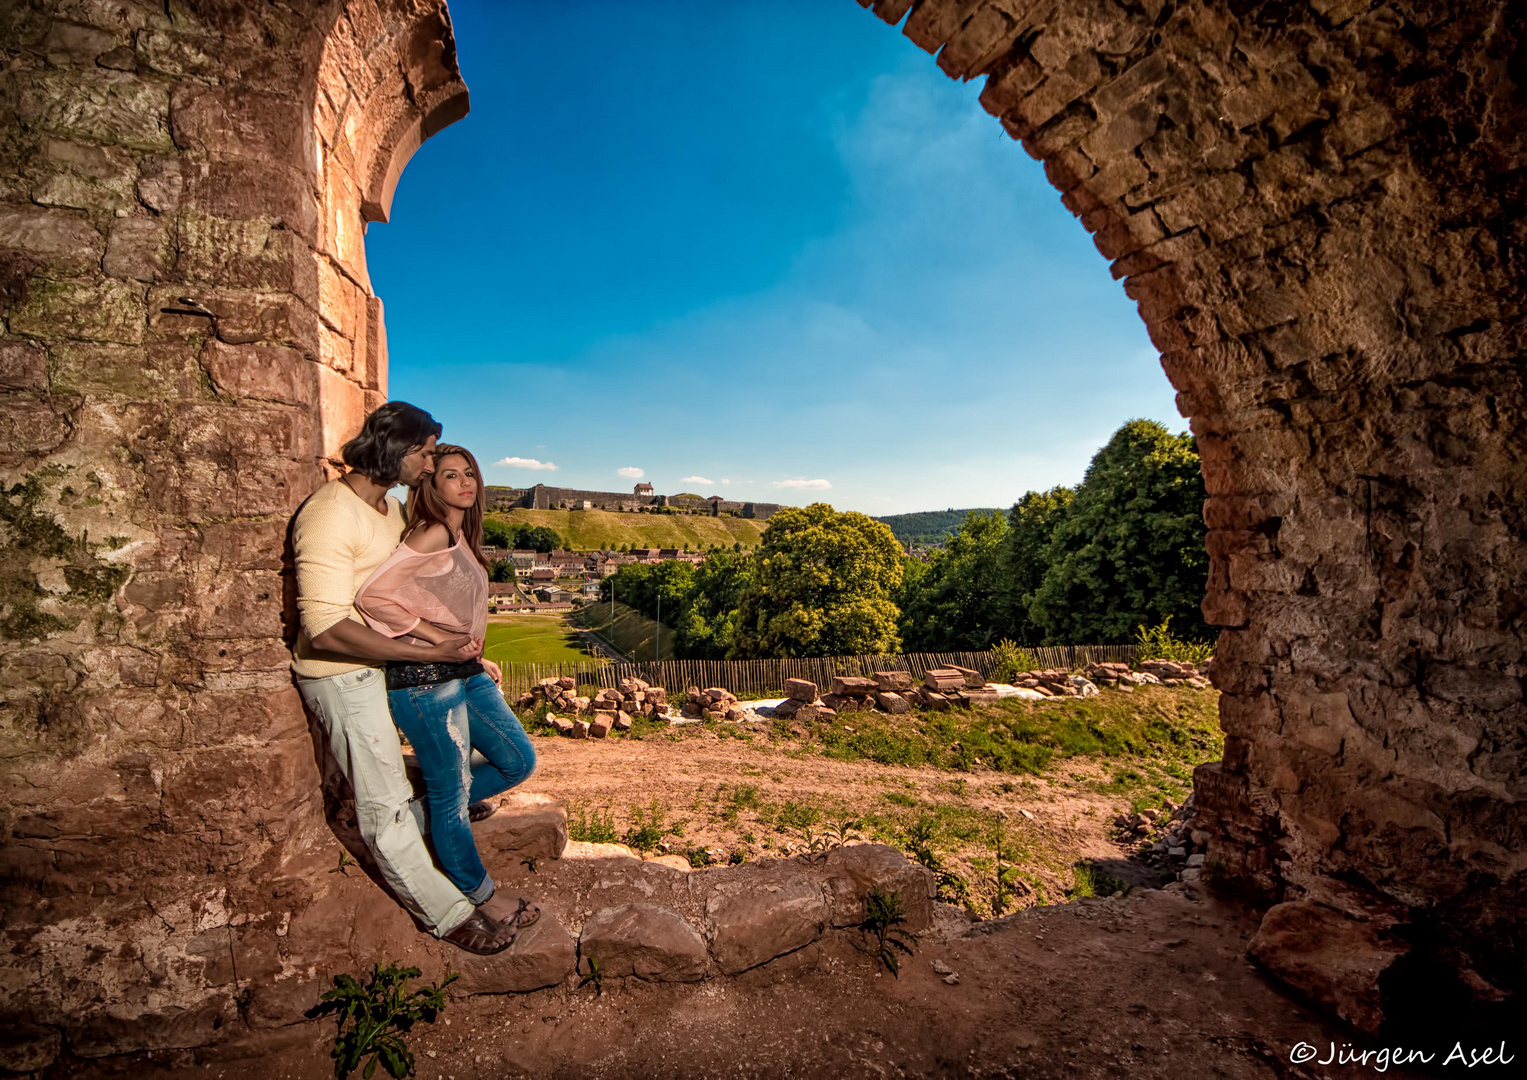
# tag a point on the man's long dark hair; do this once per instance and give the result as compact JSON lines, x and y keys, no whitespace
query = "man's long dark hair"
{"x":426,"y":508}
{"x":386,"y":438}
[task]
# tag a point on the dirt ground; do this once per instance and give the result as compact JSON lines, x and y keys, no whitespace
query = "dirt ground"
{"x":1154,"y":984}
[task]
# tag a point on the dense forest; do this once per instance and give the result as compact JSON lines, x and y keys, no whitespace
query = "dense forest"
{"x":1089,"y":564}
{"x":929,"y":526}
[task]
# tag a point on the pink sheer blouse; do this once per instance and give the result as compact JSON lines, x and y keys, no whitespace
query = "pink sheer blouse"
{"x":448,"y":588}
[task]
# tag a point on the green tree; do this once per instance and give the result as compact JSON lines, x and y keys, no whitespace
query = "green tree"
{"x":1031,"y":525}
{"x":959,"y":600}
{"x":1129,"y":551}
{"x":496,"y":533}
{"x":823,"y":584}
{"x":502,"y":570}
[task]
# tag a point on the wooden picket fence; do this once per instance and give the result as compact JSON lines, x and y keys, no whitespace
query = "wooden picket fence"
{"x":766,"y":678}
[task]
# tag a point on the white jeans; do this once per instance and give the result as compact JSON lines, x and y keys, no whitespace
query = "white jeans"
{"x":352,"y":708}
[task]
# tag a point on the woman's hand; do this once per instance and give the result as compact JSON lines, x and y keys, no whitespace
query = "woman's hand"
{"x":455,"y":649}
{"x":493,"y":671}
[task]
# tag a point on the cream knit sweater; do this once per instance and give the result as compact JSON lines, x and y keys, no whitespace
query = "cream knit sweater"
{"x":339,"y":540}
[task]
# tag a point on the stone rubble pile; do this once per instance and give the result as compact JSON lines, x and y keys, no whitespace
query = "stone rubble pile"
{"x":612,"y":709}
{"x":1173,"y":839}
{"x":1118,"y":676}
{"x":712,"y":703}
{"x":1056,"y":682}
{"x":954,"y":685}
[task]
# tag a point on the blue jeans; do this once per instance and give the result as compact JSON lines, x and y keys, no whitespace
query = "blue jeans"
{"x":444,"y":723}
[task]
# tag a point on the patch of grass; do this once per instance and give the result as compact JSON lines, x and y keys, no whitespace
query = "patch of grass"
{"x":1088,"y":880}
{"x":649,"y":826}
{"x":797,"y":815}
{"x":538,"y":638}
{"x":590,"y":826}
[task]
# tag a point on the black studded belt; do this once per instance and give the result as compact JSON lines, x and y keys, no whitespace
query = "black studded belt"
{"x":401,"y":674}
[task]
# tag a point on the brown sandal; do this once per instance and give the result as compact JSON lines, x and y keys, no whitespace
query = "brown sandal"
{"x":481,"y":935}
{"x":524,"y":915}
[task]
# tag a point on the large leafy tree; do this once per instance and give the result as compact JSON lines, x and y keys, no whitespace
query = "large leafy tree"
{"x":960,"y":600}
{"x":822,"y":585}
{"x":1031,"y":524}
{"x":1129,"y":551}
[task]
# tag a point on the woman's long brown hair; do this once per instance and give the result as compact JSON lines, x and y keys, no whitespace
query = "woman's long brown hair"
{"x":425,"y":507}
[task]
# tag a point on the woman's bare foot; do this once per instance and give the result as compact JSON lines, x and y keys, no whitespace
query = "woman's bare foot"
{"x":512,"y":912}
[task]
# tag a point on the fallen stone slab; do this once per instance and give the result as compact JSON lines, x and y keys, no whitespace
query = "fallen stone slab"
{"x":646,"y":941}
{"x":543,"y":954}
{"x":1330,"y":957}
{"x":852,"y":686}
{"x":892,"y":702}
{"x":587,"y":849}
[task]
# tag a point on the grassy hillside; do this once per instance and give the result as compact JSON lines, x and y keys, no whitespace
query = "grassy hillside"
{"x":586,"y":530}
{"x":929,"y":526}
{"x":631,"y":632}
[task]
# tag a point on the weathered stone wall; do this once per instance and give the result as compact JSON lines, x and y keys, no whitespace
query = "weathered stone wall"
{"x":1319,"y":209}
{"x":187,"y":333}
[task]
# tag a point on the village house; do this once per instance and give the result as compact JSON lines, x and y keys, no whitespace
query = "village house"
{"x":542,"y":575}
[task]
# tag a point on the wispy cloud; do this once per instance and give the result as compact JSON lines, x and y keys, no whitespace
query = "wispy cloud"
{"x":631,"y":472}
{"x":724,"y":480}
{"x":526,"y":463}
{"x":803,"y":485}
{"x":699,"y":480}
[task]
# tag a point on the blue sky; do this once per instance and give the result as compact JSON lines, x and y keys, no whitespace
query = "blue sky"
{"x":765,"y":250}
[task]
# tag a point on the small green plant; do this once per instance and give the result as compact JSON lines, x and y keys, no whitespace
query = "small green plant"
{"x":1157,"y":643}
{"x":594,"y":976}
{"x":841,"y":832}
{"x":344,"y":864}
{"x":883,"y":918}
{"x":647,"y":828}
{"x":737,"y":857}
{"x":1088,"y":880}
{"x":699,"y":858}
{"x":374,"y":1018}
{"x":1008,"y":659}
{"x":529,"y":864}
{"x":794,"y":815}
{"x":591,"y":826}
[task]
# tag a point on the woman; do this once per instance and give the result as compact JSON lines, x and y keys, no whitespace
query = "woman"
{"x":433,"y":588}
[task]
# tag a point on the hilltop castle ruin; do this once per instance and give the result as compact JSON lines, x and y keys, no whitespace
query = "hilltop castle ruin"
{"x":541,"y":497}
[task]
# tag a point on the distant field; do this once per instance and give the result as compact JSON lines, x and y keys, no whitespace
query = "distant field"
{"x":586,"y":530}
{"x":539,"y":638}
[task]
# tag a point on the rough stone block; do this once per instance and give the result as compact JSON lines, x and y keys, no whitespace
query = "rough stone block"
{"x":801,"y":690}
{"x":751,"y":923}
{"x":56,"y":238}
{"x":527,"y":825}
{"x":601,"y":725}
{"x":260,"y":372}
{"x":580,"y":729}
{"x":1330,"y":957}
{"x":893,"y":681}
{"x":851,"y":872}
{"x":542,"y":955}
{"x":23,"y":366}
{"x":852,"y":686}
{"x":109,"y":107}
{"x":646,"y":941}
{"x":139,"y":249}
{"x":109,"y":311}
{"x":892,"y":702}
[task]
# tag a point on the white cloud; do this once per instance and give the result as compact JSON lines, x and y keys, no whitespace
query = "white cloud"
{"x":631,"y":472}
{"x":803,"y":485}
{"x":526,"y":463}
{"x":699,"y":480}
{"x":724,"y":480}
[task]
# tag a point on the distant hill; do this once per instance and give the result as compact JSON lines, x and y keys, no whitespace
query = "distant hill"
{"x":930,"y":526}
{"x":588,"y":530}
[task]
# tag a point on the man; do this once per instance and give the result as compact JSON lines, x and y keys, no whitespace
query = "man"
{"x":342,"y":533}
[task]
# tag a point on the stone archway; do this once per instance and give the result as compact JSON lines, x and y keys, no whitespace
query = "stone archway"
{"x":1317,"y":208}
